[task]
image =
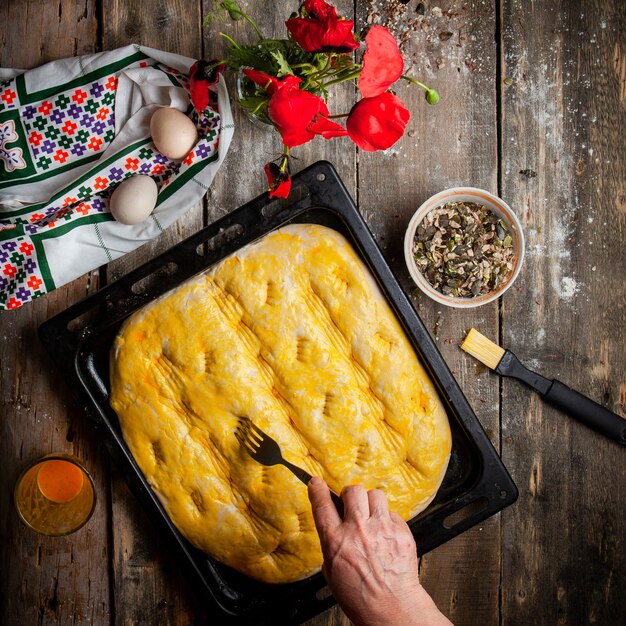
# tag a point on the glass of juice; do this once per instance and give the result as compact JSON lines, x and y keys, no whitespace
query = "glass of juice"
{"x":55,"y":495}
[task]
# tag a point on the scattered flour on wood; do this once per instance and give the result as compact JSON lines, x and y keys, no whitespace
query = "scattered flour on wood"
{"x":432,"y":37}
{"x":567,"y":287}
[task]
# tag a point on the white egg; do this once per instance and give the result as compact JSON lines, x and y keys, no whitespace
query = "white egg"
{"x":134,"y":199}
{"x":173,"y":133}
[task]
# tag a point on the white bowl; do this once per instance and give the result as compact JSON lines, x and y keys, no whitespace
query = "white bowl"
{"x":465,"y":194}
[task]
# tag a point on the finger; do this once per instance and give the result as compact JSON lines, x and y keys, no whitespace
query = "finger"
{"x":378,"y":503}
{"x":356,"y":504}
{"x":324,"y":512}
{"x":397,"y":519}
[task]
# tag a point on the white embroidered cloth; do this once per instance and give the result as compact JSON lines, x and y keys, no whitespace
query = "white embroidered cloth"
{"x":72,"y":130}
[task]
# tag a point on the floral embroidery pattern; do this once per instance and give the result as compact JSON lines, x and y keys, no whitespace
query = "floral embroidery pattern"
{"x":11,"y":157}
{"x":72,"y":125}
{"x":60,"y":130}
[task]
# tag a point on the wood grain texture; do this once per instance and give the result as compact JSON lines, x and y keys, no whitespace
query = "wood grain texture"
{"x":564,"y":118}
{"x":173,"y":26}
{"x":452,"y":143}
{"x":149,"y":587}
{"x":46,"y":580}
{"x":558,"y":555}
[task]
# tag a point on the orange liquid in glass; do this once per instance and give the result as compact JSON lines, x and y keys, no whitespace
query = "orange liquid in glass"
{"x":60,"y":481}
{"x":55,"y":496}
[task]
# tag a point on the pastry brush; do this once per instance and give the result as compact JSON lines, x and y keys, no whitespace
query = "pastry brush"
{"x":505,"y":363}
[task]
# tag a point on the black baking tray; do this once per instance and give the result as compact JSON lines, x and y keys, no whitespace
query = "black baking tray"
{"x":476,"y":485}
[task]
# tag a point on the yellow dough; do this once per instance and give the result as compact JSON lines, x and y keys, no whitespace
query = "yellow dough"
{"x":293,"y":333}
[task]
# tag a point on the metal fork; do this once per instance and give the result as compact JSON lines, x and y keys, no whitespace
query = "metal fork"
{"x":265,"y":450}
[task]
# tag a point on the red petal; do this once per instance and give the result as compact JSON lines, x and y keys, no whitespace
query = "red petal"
{"x":292,"y":110}
{"x":278,"y":183}
{"x":339,"y":35}
{"x":200,"y":81}
{"x":319,"y":9}
{"x":317,"y":35}
{"x":382,"y":62}
{"x":282,"y":190}
{"x":199,"y":94}
{"x":269,"y":83}
{"x":326,"y":128}
{"x":377,"y":123}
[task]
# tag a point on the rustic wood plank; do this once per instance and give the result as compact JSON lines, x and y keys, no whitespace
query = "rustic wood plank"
{"x":454,"y":143}
{"x":34,"y":32}
{"x":149,"y":586}
{"x":563,"y":118}
{"x":173,"y":26}
{"x":47,"y":580}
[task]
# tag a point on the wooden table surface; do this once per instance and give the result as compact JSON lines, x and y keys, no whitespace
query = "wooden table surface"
{"x":533,"y":108}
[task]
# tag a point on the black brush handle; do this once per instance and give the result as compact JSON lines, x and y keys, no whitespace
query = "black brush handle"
{"x":587,"y":411}
{"x":571,"y":402}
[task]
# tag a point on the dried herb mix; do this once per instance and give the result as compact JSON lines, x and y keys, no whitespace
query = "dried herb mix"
{"x":463,"y":249}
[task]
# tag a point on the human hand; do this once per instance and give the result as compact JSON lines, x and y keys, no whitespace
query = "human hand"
{"x":370,"y":559}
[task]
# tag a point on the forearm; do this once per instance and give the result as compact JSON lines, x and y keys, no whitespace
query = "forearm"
{"x":426,"y":611}
{"x":420,"y":611}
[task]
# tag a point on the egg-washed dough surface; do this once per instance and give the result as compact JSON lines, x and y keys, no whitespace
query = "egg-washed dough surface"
{"x":293,"y":333}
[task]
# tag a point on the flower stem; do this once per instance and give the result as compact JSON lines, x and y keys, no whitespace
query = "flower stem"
{"x":251,"y":21}
{"x":323,"y":70}
{"x":342,"y":79}
{"x":415,"y":82}
{"x":432,"y":97}
{"x":299,"y":65}
{"x":285,"y":158}
{"x":231,"y":41}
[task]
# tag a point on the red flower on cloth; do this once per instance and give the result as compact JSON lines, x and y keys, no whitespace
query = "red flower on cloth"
{"x":377,"y":123}
{"x":298,"y":115}
{"x":382,"y":62}
{"x":9,"y":270}
{"x":202,"y":76}
{"x":323,"y":29}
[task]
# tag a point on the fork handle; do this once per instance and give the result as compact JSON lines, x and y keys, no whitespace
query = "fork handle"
{"x":305,"y":477}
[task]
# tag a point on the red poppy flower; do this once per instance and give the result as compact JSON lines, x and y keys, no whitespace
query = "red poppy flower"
{"x":199,"y":82}
{"x":323,"y":29}
{"x":278,"y":181}
{"x":269,"y":83}
{"x":297,"y":113}
{"x":326,"y":128}
{"x":377,"y":123}
{"x":320,"y":9}
{"x":382,"y":62}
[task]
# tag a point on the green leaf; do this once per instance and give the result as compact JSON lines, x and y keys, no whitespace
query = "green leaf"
{"x":232,"y":8}
{"x":283,"y":66}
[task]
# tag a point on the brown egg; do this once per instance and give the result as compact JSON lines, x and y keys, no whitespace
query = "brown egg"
{"x":173,"y":133}
{"x":134,"y":199}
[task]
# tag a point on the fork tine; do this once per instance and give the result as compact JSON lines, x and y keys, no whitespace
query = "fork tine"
{"x":254,"y":434}
{"x":256,"y":430}
{"x":245,"y":441}
{"x":251,"y":430}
